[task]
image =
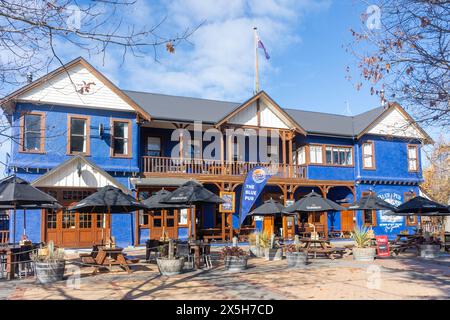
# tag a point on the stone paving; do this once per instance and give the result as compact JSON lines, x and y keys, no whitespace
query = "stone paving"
{"x":404,"y":277}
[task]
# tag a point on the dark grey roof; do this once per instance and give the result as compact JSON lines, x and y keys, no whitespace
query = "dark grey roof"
{"x":166,"y":107}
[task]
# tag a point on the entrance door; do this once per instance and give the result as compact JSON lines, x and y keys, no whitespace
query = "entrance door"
{"x":73,"y":229}
{"x":164,"y":223}
{"x":268,"y":224}
{"x":347,"y":221}
{"x":288,"y":227}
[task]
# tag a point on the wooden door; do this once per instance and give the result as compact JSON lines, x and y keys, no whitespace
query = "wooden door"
{"x":164,"y":223}
{"x":288,"y":227}
{"x":347,"y":221}
{"x":268,"y":224}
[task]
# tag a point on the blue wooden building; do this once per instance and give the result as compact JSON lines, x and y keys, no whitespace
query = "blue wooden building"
{"x":75,"y":131}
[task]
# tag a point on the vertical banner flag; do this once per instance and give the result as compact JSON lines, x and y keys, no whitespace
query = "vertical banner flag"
{"x":261,"y":46}
{"x":254,"y":183}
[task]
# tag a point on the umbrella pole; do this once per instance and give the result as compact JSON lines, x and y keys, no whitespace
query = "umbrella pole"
{"x":14,"y":225}
{"x":24,"y":221}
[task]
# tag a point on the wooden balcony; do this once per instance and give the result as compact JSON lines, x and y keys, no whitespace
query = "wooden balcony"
{"x":157,"y":166}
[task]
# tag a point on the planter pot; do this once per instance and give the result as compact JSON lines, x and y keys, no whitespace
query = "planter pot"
{"x":235,"y":264}
{"x":296,"y":259}
{"x":429,"y":251}
{"x":273,"y":254}
{"x":257,"y":251}
{"x":49,"y":272}
{"x":363,"y":254}
{"x":170,"y":267}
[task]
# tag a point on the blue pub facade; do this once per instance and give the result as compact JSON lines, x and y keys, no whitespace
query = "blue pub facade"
{"x":75,"y":131}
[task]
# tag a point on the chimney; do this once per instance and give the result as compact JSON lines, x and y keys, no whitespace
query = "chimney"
{"x":383,"y":100}
{"x":29,"y":77}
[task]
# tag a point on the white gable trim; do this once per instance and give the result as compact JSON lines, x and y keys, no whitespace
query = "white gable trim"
{"x":77,"y":173}
{"x":269,"y":116}
{"x":77,"y":86}
{"x":395,"y":123}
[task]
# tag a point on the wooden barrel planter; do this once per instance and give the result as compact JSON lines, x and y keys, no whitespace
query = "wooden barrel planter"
{"x":49,"y":272}
{"x":235,"y":264}
{"x":429,"y":251}
{"x":363,"y":254}
{"x":274,"y":254}
{"x":170,"y":267}
{"x":296,"y":259}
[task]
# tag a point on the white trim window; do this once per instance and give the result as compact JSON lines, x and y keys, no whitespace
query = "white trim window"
{"x":301,"y":155}
{"x":413,"y":161}
{"x":368,"y":155}
{"x":316,"y":154}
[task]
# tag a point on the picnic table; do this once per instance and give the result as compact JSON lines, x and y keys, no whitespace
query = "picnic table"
{"x":103,"y":256}
{"x":406,"y":241}
{"x":14,"y":254}
{"x":321,"y":246}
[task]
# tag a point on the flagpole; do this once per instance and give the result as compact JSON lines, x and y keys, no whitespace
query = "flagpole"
{"x":256,"y":61}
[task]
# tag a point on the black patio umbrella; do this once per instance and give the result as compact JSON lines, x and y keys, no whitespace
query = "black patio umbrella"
{"x":192,"y":193}
{"x":314,"y":202}
{"x":371,"y":202}
{"x":154,"y":202}
{"x":16,"y":193}
{"x":108,"y":200}
{"x":268,"y":208}
{"x":421,"y":206}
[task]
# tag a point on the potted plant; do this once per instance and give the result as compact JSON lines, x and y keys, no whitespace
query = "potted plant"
{"x":363,"y":250}
{"x":235,"y":259}
{"x":170,"y":265}
{"x":255,"y":244}
{"x":272,"y":249}
{"x":49,"y":263}
{"x":431,"y":247}
{"x":295,"y":257}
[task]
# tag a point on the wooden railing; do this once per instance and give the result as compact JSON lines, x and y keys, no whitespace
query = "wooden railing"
{"x":177,"y":166}
{"x":4,"y":237}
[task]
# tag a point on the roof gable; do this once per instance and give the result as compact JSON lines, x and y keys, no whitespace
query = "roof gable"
{"x":396,"y":122}
{"x":261,"y":111}
{"x":77,"y":172}
{"x":77,"y":84}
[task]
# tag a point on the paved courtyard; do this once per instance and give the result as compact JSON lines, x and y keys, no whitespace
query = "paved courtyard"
{"x":404,"y":277}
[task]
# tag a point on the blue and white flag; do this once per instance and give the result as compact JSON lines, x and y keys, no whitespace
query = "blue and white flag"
{"x":261,"y":46}
{"x":254,"y":183}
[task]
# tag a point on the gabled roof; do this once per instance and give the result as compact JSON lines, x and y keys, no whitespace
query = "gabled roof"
{"x":62,"y":171}
{"x":261,"y":95}
{"x":64,"y":69}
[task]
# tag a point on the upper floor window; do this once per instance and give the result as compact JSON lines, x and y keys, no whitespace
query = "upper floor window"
{"x":32,"y":135}
{"x":341,"y":156}
{"x":301,"y":155}
{"x":315,"y":154}
{"x":413,"y":158}
{"x":154,"y":147}
{"x":121,"y":133}
{"x":78,"y":135}
{"x":368,"y":155}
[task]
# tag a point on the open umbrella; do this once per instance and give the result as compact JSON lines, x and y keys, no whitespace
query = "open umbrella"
{"x":16,"y":193}
{"x":192,"y":193}
{"x":371,"y":202}
{"x":155,"y":202}
{"x":269,"y":207}
{"x":313,"y":202}
{"x":421,"y":206}
{"x":108,"y":200}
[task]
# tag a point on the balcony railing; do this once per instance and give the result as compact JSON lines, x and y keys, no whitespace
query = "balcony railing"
{"x":177,"y":166}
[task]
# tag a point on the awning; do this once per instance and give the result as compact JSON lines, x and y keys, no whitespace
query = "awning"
{"x":159,"y":182}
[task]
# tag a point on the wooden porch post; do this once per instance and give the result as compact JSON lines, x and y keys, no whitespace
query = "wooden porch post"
{"x":283,"y":145}
{"x":290,"y":154}
{"x":324,"y":194}
{"x":136,"y":223}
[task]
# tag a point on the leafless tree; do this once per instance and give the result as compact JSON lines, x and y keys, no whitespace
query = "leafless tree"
{"x":32,"y":32}
{"x":403,"y":48}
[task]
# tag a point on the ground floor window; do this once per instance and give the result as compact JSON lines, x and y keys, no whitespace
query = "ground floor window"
{"x":370,"y":218}
{"x":51,"y":219}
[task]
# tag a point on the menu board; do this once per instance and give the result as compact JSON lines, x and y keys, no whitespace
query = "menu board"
{"x":383,"y":246}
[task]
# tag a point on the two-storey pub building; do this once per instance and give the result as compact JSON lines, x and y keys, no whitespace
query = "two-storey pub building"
{"x":75,"y":131}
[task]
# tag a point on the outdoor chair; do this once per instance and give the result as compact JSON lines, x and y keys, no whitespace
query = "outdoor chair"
{"x":183,"y":250}
{"x":24,"y":265}
{"x":2,"y":265}
{"x":206,"y":256}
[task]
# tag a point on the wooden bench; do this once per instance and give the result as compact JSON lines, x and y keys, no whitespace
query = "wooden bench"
{"x":328,"y":252}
